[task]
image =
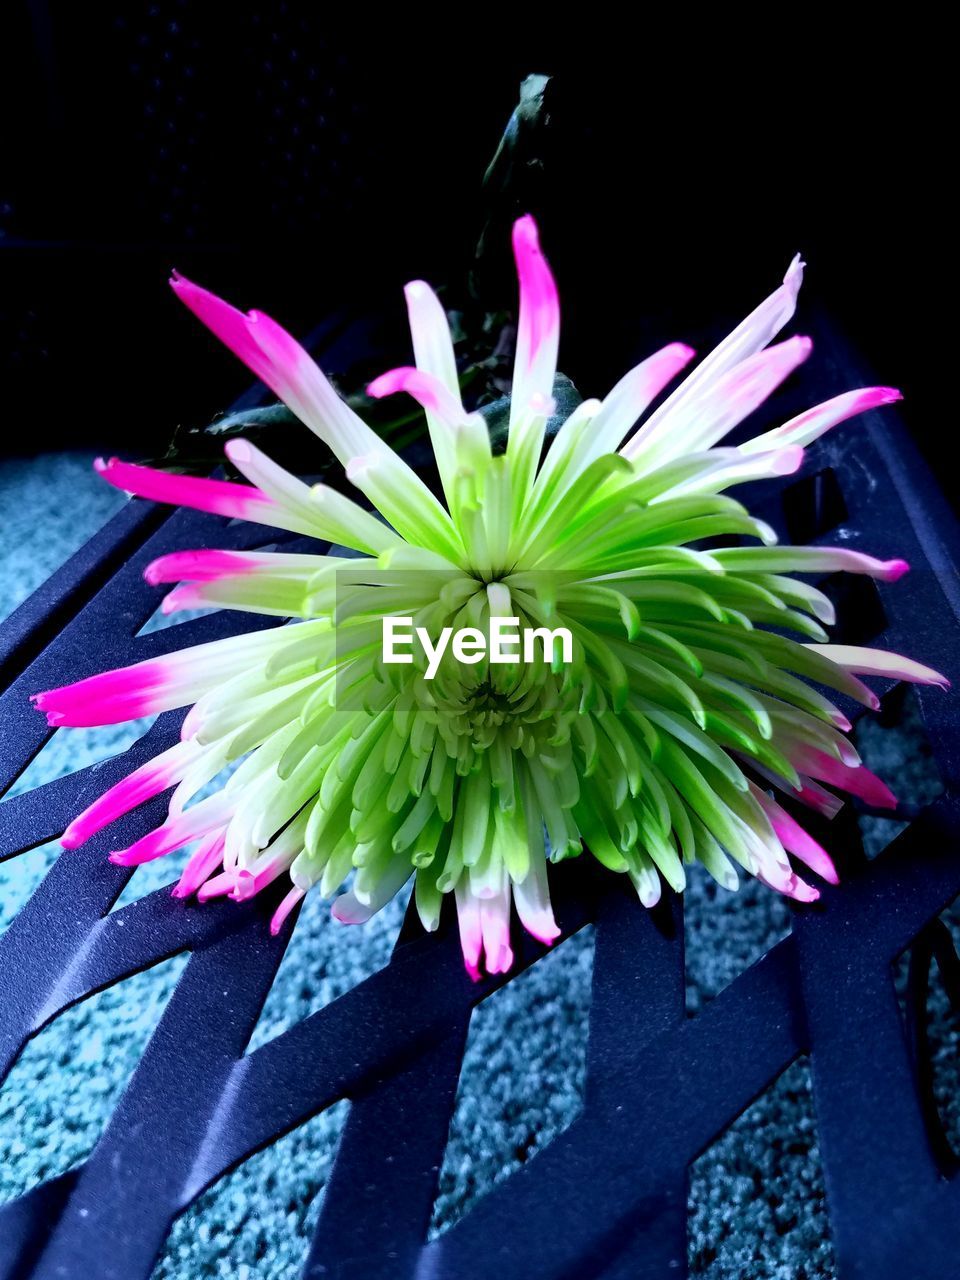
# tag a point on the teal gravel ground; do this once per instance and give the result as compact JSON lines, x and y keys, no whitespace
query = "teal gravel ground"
{"x":756,"y":1200}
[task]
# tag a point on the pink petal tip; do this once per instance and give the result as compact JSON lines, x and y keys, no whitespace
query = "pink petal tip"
{"x":895,"y":569}
{"x":389,"y":383}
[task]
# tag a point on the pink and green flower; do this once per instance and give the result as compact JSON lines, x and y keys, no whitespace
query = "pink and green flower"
{"x":674,"y":735}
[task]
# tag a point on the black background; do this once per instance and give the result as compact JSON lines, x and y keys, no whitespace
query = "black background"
{"x":298,"y":167}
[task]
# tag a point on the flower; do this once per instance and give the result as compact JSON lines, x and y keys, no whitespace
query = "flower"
{"x":659,"y":745}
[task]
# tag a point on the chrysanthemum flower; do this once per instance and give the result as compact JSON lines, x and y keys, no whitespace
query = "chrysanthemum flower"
{"x":660,"y":744}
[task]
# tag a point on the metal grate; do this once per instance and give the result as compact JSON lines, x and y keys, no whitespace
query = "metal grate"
{"x":608,"y":1197}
